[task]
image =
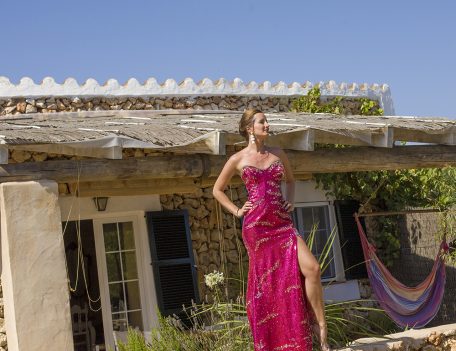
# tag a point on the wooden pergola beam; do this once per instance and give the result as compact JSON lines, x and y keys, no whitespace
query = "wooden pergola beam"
{"x":148,"y":186}
{"x":135,"y":187}
{"x":207,"y":166}
{"x":356,"y":159}
{"x":90,"y":170}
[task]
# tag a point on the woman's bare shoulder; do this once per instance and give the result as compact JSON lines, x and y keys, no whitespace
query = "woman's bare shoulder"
{"x":238,"y":156}
{"x":236,"y":160}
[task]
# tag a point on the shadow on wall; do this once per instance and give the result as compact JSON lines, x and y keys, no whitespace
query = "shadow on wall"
{"x":419,"y":246}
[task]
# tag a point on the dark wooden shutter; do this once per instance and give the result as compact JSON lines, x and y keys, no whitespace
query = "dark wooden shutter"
{"x":352,"y":251}
{"x":172,"y":260}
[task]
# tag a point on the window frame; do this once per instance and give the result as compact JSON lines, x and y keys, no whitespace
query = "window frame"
{"x":141,"y":242}
{"x":337,"y":252}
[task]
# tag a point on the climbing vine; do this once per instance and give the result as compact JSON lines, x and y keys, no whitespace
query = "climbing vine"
{"x":385,"y":190}
{"x":313,"y":103}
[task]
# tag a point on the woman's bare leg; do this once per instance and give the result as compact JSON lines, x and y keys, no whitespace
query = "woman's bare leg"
{"x":311,"y":270}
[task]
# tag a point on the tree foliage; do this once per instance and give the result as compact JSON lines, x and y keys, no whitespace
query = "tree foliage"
{"x":383,"y":190}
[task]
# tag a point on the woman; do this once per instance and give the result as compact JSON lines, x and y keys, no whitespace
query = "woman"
{"x":277,"y":307}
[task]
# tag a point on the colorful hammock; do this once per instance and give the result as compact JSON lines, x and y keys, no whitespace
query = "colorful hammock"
{"x":408,"y":307}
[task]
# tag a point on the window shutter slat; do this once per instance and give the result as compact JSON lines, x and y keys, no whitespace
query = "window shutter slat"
{"x":352,"y":251}
{"x":172,"y":260}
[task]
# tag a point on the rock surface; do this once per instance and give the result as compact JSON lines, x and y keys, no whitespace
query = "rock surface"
{"x":441,"y":338}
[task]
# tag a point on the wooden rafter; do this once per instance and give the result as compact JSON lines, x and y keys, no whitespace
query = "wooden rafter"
{"x":207,"y":166}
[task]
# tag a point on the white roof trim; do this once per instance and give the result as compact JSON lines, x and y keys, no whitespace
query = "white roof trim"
{"x":70,"y":87}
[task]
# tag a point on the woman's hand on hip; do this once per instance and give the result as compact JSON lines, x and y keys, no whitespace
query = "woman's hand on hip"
{"x":244,"y":209}
{"x":288,"y":206}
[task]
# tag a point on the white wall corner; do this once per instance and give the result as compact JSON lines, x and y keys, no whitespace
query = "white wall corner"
{"x":37,"y":311}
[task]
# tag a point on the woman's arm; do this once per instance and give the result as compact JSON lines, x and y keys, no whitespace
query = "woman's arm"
{"x":228,"y":171}
{"x":289,"y":180}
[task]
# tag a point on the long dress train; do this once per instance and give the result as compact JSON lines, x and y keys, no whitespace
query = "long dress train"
{"x":277,"y":308}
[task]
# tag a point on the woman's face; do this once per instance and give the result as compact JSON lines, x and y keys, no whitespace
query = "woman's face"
{"x":260,"y":126}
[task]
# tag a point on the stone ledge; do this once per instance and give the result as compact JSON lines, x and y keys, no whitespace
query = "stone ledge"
{"x":188,"y":87}
{"x":437,"y":338}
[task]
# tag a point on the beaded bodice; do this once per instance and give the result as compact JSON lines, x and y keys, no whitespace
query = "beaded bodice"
{"x":263,"y":186}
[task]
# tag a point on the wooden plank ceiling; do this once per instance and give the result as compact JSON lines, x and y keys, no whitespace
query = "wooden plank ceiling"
{"x":103,"y":134}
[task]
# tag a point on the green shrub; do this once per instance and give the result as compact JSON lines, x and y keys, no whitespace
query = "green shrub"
{"x":223,"y":326}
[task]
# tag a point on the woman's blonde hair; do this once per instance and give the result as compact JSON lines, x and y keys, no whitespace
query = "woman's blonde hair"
{"x":246,"y":121}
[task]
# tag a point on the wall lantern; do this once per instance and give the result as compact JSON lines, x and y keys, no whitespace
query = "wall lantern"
{"x":100,"y":203}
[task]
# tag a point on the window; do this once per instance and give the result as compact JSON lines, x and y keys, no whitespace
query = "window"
{"x":352,"y":250}
{"x":305,"y":217}
{"x":122,"y":276}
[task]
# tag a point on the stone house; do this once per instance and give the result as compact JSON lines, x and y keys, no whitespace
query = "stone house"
{"x":105,"y":197}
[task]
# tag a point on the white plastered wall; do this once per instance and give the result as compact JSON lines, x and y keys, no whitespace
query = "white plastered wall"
{"x":37,"y":311}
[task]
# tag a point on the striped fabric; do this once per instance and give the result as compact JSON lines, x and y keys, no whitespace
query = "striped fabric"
{"x":408,"y":307}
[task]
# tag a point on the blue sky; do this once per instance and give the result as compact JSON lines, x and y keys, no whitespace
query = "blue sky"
{"x":410,"y":45}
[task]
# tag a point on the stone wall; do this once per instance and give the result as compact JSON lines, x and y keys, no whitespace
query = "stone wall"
{"x":3,"y":342}
{"x":419,"y":246}
{"x":188,"y":87}
{"x":13,"y":106}
{"x":216,"y":236}
{"x":442,"y":338}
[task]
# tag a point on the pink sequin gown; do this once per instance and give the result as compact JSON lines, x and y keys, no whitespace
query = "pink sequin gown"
{"x":276,"y":303}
